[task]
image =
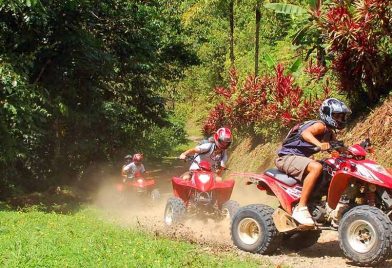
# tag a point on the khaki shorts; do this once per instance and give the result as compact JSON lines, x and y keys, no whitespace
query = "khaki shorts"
{"x":293,"y":165}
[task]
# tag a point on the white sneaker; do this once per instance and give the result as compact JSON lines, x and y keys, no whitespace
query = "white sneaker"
{"x":302,"y":215}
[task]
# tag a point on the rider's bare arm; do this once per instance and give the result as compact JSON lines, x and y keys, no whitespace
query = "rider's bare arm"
{"x":190,"y":152}
{"x":314,"y":130}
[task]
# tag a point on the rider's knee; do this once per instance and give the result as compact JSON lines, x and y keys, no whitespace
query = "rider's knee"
{"x":186,"y":176}
{"x":315,"y":167}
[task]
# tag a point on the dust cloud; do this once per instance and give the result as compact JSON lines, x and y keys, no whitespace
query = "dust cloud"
{"x":138,"y":212}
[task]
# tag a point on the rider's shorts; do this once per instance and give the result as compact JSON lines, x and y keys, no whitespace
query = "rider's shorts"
{"x":293,"y":165}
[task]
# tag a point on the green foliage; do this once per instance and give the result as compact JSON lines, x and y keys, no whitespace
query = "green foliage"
{"x":22,"y":112}
{"x":286,"y":8}
{"x":83,"y":82}
{"x":36,"y":239}
{"x":161,"y":141}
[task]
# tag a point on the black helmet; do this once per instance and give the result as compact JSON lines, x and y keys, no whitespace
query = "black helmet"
{"x":334,"y":113}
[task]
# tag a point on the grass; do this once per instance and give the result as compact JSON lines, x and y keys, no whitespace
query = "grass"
{"x":38,"y":239}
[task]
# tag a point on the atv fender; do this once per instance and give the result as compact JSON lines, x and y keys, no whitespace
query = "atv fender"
{"x":340,"y":181}
{"x":338,"y":184}
{"x":269,"y":184}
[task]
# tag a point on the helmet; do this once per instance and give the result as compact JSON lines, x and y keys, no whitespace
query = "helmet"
{"x":128,"y":158}
{"x":137,"y":158}
{"x":334,"y":113}
{"x":223,"y":138}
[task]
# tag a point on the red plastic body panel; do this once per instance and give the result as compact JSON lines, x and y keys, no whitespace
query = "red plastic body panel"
{"x":357,"y":150}
{"x":184,"y":189}
{"x":287,"y":195}
{"x":138,"y":182}
{"x":341,"y":178}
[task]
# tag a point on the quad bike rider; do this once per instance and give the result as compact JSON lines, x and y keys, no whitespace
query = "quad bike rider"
{"x":352,"y":195}
{"x":133,"y":177}
{"x":201,"y":189}
{"x":294,"y":156}
{"x":133,"y":167}
{"x":213,"y":151}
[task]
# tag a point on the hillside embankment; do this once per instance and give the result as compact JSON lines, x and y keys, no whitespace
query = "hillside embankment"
{"x":252,"y":156}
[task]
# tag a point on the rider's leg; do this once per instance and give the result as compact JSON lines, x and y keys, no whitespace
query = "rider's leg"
{"x":314,"y":170}
{"x":306,"y":170}
{"x":301,"y":212}
{"x":186,"y":176}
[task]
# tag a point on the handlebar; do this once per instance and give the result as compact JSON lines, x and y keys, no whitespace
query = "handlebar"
{"x":316,"y":149}
{"x":340,"y":147}
{"x":334,"y":146}
{"x":192,"y":159}
{"x":337,"y":146}
{"x":366,"y":144}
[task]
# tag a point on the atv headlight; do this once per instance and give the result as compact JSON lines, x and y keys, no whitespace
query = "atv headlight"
{"x":204,"y":178}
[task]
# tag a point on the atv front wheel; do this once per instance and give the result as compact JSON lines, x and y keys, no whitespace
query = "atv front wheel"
{"x":174,"y":211}
{"x":253,"y":229}
{"x":365,"y":235}
{"x":229,"y":208}
{"x":155,"y":195}
{"x":300,"y":240}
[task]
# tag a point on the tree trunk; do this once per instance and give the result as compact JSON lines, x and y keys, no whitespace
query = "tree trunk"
{"x":257,"y":37}
{"x":231,"y":14}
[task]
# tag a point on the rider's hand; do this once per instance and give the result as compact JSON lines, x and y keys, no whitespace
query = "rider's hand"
{"x":182,"y":156}
{"x":324,"y":146}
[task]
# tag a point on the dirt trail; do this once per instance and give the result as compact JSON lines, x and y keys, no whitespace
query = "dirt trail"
{"x":215,"y":238}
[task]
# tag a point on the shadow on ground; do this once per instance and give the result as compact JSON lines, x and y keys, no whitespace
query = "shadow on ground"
{"x":63,"y":200}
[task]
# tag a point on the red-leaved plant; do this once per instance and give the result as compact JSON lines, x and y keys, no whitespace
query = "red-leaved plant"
{"x":359,"y":33}
{"x":315,"y":70}
{"x":262,"y":100}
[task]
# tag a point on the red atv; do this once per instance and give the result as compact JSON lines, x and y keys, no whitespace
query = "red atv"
{"x":353,"y":196}
{"x":201,"y":194}
{"x":137,"y":184}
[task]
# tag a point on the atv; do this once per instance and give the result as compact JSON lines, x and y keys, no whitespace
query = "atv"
{"x":139,"y":185}
{"x":201,"y":195}
{"x":353,"y":196}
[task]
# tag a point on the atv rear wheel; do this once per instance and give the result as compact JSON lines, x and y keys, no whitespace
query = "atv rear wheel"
{"x":229,"y":208}
{"x":300,"y":240}
{"x":253,"y":230}
{"x":365,"y":235}
{"x":174,"y":211}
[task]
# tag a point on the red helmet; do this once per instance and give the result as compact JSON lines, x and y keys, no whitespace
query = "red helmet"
{"x":223,"y":138}
{"x":137,"y":158}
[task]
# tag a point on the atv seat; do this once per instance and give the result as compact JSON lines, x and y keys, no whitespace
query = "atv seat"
{"x":280,"y":176}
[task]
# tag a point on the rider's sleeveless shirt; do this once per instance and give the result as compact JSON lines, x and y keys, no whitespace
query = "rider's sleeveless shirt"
{"x":294,"y":144}
{"x":207,"y":153}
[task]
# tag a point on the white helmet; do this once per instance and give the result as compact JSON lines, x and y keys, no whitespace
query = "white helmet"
{"x":334,"y":113}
